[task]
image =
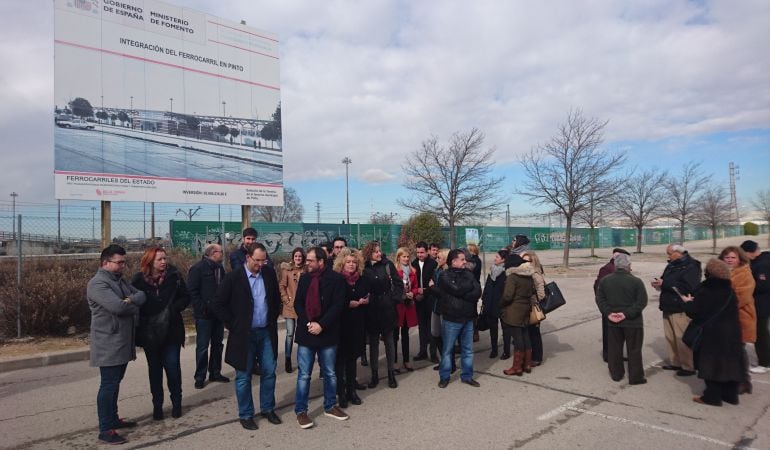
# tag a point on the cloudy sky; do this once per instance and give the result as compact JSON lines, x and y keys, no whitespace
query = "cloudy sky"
{"x":678,"y":81}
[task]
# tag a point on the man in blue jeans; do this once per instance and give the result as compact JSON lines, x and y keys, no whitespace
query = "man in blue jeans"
{"x":114,"y":308}
{"x":202,"y":282}
{"x":248,"y":303}
{"x":319,"y":302}
{"x":459,"y":293}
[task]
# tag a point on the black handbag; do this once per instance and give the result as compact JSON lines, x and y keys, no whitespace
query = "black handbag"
{"x":482,"y":323}
{"x":553,"y":298}
{"x":152,"y":330}
{"x":693,"y":334}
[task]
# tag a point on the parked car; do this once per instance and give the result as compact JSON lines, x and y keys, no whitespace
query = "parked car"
{"x":80,"y":124}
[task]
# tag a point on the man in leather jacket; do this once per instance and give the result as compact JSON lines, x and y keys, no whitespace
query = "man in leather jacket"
{"x":460,"y":292}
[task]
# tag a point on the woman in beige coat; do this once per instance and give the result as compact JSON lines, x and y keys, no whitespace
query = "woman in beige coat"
{"x":535,"y":339}
{"x":290,"y":273}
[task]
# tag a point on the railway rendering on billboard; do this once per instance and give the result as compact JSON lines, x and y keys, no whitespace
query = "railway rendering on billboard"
{"x":155,"y":102}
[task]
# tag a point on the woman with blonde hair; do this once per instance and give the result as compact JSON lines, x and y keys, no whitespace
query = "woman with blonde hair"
{"x":743,"y":284}
{"x":535,"y":339}
{"x":350,"y":264}
{"x":290,"y":273}
{"x":161,"y":329}
{"x":406,"y":311}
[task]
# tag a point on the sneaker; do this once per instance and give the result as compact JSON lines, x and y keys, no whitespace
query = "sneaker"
{"x":759,"y":369}
{"x":112,"y":438}
{"x":125,"y":424}
{"x":304,"y":421}
{"x":336,"y":413}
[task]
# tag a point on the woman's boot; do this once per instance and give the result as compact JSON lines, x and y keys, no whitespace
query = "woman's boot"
{"x":352,"y":396}
{"x":392,"y":383}
{"x":518,"y":359}
{"x":375,"y":379}
{"x":528,"y":361}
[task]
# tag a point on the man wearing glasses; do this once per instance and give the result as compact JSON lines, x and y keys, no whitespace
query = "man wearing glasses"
{"x":114,"y":308}
{"x":248,"y":303}
{"x":202,"y":282}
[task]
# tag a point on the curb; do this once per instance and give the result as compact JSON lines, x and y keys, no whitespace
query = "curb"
{"x":60,"y":357}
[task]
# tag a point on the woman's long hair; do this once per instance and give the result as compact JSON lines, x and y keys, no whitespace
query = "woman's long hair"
{"x":148,"y":258}
{"x":301,"y":252}
{"x":369,"y":249}
{"x":742,"y":257}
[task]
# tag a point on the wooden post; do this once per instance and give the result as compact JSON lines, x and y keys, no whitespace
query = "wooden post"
{"x":106,"y":223}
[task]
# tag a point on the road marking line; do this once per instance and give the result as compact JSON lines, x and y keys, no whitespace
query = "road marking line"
{"x":655,"y":427}
{"x":556,"y":411}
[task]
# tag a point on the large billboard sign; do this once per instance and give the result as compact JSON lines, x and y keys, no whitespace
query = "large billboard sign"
{"x":155,"y":102}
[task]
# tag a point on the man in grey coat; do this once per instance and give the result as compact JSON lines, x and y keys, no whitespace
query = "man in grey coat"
{"x":114,"y":308}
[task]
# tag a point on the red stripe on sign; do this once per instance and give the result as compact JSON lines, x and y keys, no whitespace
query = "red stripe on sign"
{"x":176,"y":66}
{"x":244,"y":49}
{"x":243,"y":31}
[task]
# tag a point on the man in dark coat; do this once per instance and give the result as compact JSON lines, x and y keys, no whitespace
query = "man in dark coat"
{"x":203,"y":280}
{"x":248,"y":303}
{"x":621,"y":297}
{"x":682,"y":274}
{"x":238,"y":257}
{"x":424,"y":267}
{"x":603,"y":272}
{"x":319,"y":302}
{"x":760,"y":268}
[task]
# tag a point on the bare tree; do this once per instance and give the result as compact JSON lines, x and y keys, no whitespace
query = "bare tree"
{"x":681,"y":194}
{"x":762,"y":203}
{"x":593,"y":216}
{"x":291,"y":211}
{"x":640,"y":199}
{"x":713,"y":210}
{"x":453,"y":182}
{"x":570,"y":171}
{"x":380,"y":218}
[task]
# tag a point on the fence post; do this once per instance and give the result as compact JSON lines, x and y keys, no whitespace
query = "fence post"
{"x":18,"y":281}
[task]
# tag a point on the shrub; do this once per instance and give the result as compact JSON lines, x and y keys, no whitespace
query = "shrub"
{"x":750,"y":228}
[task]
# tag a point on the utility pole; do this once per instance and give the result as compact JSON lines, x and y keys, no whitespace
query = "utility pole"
{"x":144,"y":220}
{"x":347,"y":161}
{"x":13,"y":197}
{"x":152,"y":220}
{"x":317,"y":212}
{"x":171,"y":105}
{"x":58,"y":221}
{"x":93,"y":223}
{"x":734,"y":175}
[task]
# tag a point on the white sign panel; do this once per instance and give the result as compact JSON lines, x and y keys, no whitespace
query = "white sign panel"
{"x":155,"y":102}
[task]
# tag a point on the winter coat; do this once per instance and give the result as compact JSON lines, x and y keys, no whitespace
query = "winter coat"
{"x":406,"y":310}
{"x":720,"y":355}
{"x":685,"y":275}
{"x":290,"y":274}
{"x":331,"y":288}
{"x":172,"y":293}
{"x":760,"y":268}
{"x":203,"y":280}
{"x":112,"y":320}
{"x":460,"y":292}
{"x":425,"y":274}
{"x":490,"y":298}
{"x":516,"y":302}
{"x":476,"y":261}
{"x":622,"y":292}
{"x":385,"y":294}
{"x":743,"y":285}
{"x":234,"y":306}
{"x":603,"y":272}
{"x":353,"y":322}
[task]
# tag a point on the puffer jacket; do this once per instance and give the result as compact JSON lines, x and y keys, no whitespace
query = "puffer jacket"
{"x":460,"y":292}
{"x":290,"y":274}
{"x":517,"y":299}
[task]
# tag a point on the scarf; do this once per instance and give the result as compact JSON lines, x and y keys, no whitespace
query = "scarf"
{"x":351,"y":278}
{"x":313,"y":298}
{"x":497,"y":269}
{"x":405,"y":269}
{"x":156,"y":281}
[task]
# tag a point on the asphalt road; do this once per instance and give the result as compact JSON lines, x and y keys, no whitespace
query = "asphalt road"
{"x":569,"y":402}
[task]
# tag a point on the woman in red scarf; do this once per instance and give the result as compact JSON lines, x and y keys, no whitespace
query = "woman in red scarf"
{"x":350,"y":264}
{"x":406,"y":311}
{"x":161,"y":329}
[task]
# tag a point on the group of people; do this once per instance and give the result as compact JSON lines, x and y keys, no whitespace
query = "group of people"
{"x":709,"y":317}
{"x":334,"y":300}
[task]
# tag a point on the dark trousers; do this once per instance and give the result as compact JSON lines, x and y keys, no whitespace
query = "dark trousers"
{"x":536,"y":341}
{"x":345,"y":369}
{"x":210,"y":333}
{"x":716,"y":392}
{"x":520,"y":337}
{"x":404,"y":344}
{"x":165,"y":358}
{"x":107,"y":398}
{"x":423,"y":324}
{"x":493,"y":332}
{"x":605,"y":324}
{"x":633,"y":338}
{"x":507,"y":331}
{"x":762,"y":346}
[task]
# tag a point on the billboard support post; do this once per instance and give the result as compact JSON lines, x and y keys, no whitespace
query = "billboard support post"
{"x":106,"y":223}
{"x":245,"y":216}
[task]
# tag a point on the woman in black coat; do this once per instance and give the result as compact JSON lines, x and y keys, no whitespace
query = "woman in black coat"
{"x":381,"y":313}
{"x":161,"y":329}
{"x":350,"y":265}
{"x":490,"y":298}
{"x":719,"y":357}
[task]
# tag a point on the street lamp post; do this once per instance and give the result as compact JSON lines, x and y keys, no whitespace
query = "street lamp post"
{"x":347,"y":161}
{"x":13,"y":219}
{"x":224,"y":108}
{"x":132,"y":103}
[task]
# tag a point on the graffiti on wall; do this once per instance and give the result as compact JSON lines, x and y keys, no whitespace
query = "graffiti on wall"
{"x":286,"y":241}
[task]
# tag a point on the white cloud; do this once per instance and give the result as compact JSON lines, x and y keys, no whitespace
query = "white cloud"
{"x":376,"y":176}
